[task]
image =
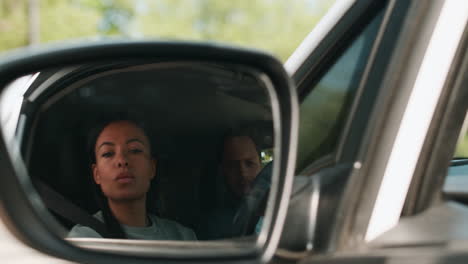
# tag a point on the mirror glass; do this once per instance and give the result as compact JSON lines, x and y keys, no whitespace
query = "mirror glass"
{"x":145,"y":149}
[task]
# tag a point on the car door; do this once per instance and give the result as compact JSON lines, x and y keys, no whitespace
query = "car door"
{"x":378,"y":123}
{"x":336,"y":99}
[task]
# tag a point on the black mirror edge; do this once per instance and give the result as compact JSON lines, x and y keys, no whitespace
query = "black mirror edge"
{"x":17,"y":194}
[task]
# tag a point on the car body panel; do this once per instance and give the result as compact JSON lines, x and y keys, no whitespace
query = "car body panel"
{"x":370,"y":227}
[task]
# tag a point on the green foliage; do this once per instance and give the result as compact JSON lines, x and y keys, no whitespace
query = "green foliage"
{"x":13,"y":24}
{"x":277,"y":26}
{"x":462,"y":148}
{"x":61,"y":20}
{"x":266,"y":156}
{"x":318,"y":114}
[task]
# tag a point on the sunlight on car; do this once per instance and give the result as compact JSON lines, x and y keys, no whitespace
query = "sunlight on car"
{"x":10,"y":109}
{"x":13,"y":251}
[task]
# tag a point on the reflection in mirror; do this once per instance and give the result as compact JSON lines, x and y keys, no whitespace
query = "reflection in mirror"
{"x":146,"y":150}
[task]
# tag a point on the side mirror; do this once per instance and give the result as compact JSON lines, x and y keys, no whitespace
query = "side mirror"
{"x":192,"y":97}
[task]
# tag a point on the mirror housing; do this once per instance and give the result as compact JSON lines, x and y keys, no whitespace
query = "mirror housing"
{"x":313,"y":202}
{"x":27,"y":217}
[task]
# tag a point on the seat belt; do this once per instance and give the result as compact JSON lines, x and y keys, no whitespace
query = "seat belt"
{"x":55,"y":202}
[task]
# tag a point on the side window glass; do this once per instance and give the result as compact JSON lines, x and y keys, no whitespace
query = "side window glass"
{"x":266,"y":156}
{"x":323,"y":111}
{"x":461,"y":151}
{"x":456,"y":182}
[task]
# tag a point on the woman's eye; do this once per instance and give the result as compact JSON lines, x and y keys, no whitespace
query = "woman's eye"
{"x":107,"y":154}
{"x":135,"y":151}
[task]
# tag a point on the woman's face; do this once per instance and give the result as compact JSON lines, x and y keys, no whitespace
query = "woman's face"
{"x":124,"y":166}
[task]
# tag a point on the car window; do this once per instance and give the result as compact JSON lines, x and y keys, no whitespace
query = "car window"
{"x":456,"y":182}
{"x":325,"y":107}
{"x":462,"y":146}
{"x":266,"y":156}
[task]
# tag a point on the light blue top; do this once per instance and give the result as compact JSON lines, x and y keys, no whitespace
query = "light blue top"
{"x":160,"y":229}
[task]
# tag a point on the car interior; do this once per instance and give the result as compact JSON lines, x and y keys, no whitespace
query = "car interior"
{"x":187,"y":110}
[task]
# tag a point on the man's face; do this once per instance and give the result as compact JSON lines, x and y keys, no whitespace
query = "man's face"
{"x":240,"y":164}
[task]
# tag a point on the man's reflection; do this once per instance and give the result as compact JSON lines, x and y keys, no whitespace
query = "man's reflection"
{"x":240,"y":164}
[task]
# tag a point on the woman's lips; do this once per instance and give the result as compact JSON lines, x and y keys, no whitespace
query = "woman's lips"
{"x":124,"y":178}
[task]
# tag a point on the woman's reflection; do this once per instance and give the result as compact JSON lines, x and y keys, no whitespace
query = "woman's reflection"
{"x":122,"y":168}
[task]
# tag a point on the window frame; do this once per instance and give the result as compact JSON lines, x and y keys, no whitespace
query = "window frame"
{"x":426,"y":188}
{"x":397,"y":83}
{"x":359,"y":144}
{"x":323,"y":58}
{"x":359,"y":119}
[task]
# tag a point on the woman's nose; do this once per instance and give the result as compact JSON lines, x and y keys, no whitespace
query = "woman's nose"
{"x":122,"y":163}
{"x":122,"y":160}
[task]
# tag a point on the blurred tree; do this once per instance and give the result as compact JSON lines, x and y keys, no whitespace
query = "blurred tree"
{"x":277,"y":26}
{"x":116,"y":15}
{"x":67,"y":19}
{"x":266,"y":156}
{"x":462,"y":147}
{"x":13,"y":27}
{"x":34,"y":22}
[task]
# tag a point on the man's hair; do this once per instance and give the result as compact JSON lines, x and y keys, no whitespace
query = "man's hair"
{"x":240,"y":132}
